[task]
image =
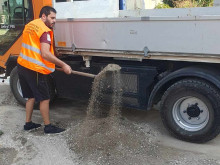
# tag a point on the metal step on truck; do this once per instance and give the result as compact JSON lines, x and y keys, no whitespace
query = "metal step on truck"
{"x":169,"y":57}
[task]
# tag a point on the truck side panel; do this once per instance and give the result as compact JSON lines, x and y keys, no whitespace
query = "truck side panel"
{"x":190,"y":35}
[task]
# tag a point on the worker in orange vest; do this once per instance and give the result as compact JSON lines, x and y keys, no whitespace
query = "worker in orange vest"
{"x":35,"y":62}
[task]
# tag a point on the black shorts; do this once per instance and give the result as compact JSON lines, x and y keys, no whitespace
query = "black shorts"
{"x":33,"y":84}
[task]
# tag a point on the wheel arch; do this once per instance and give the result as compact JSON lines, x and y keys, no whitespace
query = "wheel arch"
{"x":208,"y":74}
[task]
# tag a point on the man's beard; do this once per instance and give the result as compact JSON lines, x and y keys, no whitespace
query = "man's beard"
{"x":49,"y":25}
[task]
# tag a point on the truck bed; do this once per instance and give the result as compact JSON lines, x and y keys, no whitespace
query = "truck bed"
{"x":171,"y":34}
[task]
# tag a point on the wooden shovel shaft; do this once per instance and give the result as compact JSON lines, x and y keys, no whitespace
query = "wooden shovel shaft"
{"x":79,"y":73}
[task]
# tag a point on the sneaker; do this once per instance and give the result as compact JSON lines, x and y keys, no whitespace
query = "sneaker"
{"x":51,"y":129}
{"x":30,"y":125}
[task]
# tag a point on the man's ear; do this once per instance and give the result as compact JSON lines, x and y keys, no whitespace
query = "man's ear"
{"x":43,"y":17}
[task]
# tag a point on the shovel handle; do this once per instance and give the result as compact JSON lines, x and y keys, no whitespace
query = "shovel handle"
{"x":78,"y":73}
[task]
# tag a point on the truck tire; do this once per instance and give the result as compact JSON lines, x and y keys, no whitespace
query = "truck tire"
{"x":16,"y":88}
{"x":189,"y":110}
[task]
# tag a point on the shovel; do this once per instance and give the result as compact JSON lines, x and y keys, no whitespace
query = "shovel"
{"x":79,"y":73}
{"x":109,"y":67}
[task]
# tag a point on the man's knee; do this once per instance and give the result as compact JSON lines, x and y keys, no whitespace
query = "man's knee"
{"x":31,"y":100}
{"x":45,"y":101}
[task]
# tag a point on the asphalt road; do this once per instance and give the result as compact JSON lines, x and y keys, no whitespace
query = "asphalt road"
{"x":139,"y":138}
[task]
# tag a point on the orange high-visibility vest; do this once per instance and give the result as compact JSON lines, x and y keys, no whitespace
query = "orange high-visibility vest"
{"x":30,"y":55}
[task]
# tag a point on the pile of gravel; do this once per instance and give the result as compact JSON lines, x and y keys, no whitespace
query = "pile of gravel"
{"x":109,"y":139}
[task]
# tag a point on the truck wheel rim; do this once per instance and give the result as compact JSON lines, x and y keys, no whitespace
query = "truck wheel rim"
{"x":190,"y":113}
{"x":19,"y":88}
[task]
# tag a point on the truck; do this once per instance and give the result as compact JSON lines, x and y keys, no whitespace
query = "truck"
{"x":168,"y":57}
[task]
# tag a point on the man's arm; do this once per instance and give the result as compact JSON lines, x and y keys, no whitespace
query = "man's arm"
{"x":56,"y":53}
{"x":47,"y":55}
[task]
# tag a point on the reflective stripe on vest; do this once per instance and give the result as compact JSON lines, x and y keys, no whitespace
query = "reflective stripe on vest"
{"x":31,"y":48}
{"x":36,"y":62}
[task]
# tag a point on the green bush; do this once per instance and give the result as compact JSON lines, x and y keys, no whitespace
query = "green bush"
{"x":204,"y":3}
{"x":162,"y":6}
{"x":188,"y":3}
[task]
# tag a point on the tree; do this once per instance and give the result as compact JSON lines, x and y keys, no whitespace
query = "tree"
{"x":188,"y":3}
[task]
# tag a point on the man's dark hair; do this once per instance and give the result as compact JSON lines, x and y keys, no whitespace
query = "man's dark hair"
{"x":46,"y":10}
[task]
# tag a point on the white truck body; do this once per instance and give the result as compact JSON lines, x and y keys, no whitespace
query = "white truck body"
{"x":190,"y":34}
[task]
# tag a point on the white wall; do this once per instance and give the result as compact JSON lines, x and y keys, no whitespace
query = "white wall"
{"x":135,"y":4}
{"x":87,"y":9}
{"x":141,"y":4}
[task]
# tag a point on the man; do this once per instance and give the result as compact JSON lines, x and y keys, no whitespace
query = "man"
{"x":35,"y":62}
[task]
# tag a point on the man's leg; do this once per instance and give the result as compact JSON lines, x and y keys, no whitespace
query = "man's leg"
{"x":29,"y":109}
{"x":44,"y":110}
{"x":29,"y":125}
